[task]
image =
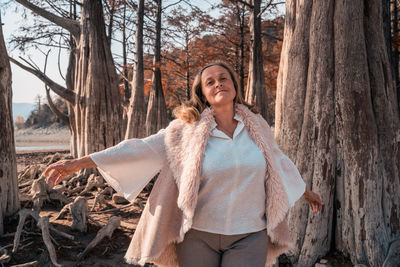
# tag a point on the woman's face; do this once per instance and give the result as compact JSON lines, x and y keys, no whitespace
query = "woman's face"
{"x":217,"y":86}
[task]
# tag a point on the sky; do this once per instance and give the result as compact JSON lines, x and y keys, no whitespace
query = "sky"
{"x":26,"y":87}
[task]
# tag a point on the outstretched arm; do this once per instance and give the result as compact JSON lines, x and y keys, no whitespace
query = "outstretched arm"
{"x":61,"y":169}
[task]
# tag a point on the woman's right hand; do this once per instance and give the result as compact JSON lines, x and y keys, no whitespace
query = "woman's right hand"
{"x":56,"y":172}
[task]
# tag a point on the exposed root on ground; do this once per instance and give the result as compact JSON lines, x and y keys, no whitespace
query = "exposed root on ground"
{"x":106,"y":231}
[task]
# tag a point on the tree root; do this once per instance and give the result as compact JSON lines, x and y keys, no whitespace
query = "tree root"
{"x":41,"y":191}
{"x":79,"y":214}
{"x":107,"y":230}
{"x":393,"y":256}
{"x":23,"y":214}
{"x":63,"y":211}
{"x":114,"y":209}
{"x":4,"y":256}
{"x":93,"y":181}
{"x":43,"y":223}
{"x":28,"y":264}
{"x":99,"y":197}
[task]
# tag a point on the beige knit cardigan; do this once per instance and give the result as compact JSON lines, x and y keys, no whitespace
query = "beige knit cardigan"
{"x":169,"y":211}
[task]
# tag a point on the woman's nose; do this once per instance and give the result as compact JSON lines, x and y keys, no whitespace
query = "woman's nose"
{"x":218,"y":84}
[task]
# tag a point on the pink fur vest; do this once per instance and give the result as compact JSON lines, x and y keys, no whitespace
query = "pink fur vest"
{"x":169,"y":211}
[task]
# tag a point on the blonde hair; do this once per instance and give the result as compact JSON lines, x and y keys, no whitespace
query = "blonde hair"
{"x":190,"y":110}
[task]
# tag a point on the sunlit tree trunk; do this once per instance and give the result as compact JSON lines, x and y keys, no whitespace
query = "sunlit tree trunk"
{"x":92,"y":92}
{"x":136,"y":126}
{"x":156,"y":110}
{"x":9,"y":201}
{"x":336,"y":118}
{"x":256,"y":92}
{"x":97,"y":98}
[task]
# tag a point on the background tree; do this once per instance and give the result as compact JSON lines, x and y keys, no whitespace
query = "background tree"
{"x":95,"y":113}
{"x":136,"y":112}
{"x":337,"y":119}
{"x":9,"y":201}
{"x":256,"y":92}
{"x":156,"y":118}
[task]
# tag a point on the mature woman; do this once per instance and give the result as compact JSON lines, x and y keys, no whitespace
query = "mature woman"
{"x":224,"y":187}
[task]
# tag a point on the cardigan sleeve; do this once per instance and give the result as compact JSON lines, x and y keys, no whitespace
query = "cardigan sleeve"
{"x":131,"y":164}
{"x":291,"y":179}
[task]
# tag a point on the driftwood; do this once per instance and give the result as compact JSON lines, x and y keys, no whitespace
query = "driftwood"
{"x":106,"y":231}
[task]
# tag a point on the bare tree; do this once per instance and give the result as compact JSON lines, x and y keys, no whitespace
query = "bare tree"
{"x":156,"y":118}
{"x":9,"y":201}
{"x":337,"y":119}
{"x":256,"y":91}
{"x":92,"y":84}
{"x":136,"y":112}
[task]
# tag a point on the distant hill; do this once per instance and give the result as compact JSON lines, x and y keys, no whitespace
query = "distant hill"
{"x":22,"y":109}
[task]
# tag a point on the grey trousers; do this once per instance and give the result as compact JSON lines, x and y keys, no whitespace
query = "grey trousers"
{"x":204,"y":249}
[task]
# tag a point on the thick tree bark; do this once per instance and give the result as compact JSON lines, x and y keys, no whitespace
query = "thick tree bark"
{"x":94,"y":101}
{"x":9,"y":201}
{"x":98,"y":100}
{"x":337,"y":119}
{"x":136,"y":126}
{"x":256,"y":92}
{"x":156,"y":118}
{"x":395,"y":49}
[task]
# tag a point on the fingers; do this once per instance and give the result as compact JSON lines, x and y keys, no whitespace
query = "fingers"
{"x":53,"y":176}
{"x":56,"y":176}
{"x":59,"y":179}
{"x":316,"y":205}
{"x":49,"y":169}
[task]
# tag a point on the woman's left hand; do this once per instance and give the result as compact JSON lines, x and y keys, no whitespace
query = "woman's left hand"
{"x":313,"y":200}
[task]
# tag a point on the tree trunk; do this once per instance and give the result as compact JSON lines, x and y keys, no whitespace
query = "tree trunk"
{"x":156,"y":118}
{"x":336,"y":118}
{"x":127,"y":91}
{"x":395,"y":51}
{"x":9,"y":201}
{"x":92,"y":92}
{"x":98,"y":100}
{"x":136,"y":127}
{"x":256,"y":92}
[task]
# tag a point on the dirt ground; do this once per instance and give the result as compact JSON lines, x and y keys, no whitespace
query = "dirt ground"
{"x":109,"y":252}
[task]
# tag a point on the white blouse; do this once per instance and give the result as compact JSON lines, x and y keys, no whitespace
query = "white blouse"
{"x":231,"y":197}
{"x":131,"y":164}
